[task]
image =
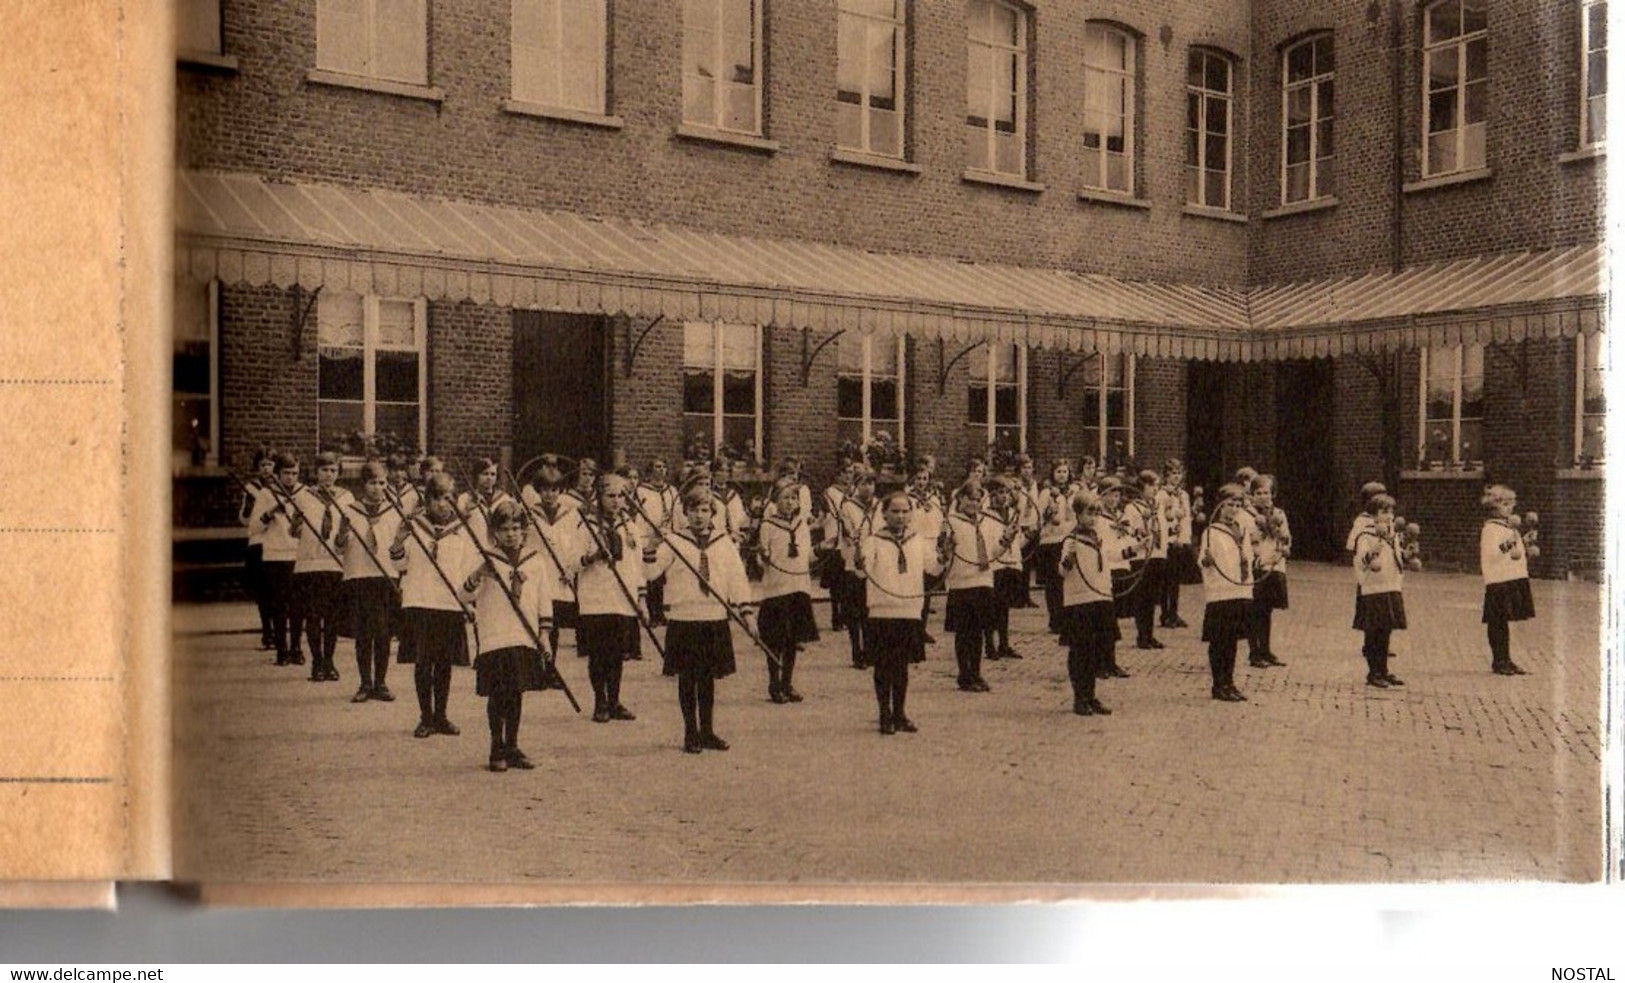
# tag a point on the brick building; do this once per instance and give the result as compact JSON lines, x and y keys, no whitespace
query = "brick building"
{"x":1334,"y":240}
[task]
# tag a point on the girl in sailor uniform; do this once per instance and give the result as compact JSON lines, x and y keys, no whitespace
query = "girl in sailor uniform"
{"x":1088,"y":616}
{"x":705,"y":577}
{"x":894,"y":563}
{"x":318,"y":574}
{"x":555,"y":532}
{"x":607,"y":590}
{"x":370,"y":525}
{"x":475,"y":505}
{"x":254,"y":558}
{"x":1175,"y":502}
{"x":656,"y":505}
{"x":1226,"y":558}
{"x":437,"y":555}
{"x":1504,"y":559}
{"x":1379,"y":609}
{"x":786,"y":617}
{"x":511,"y":592}
{"x":273,"y":516}
{"x":1272,"y":544}
{"x":976,"y":541}
{"x":1054,"y":524}
{"x":1009,"y":570}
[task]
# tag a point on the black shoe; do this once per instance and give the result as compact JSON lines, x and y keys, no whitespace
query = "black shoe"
{"x":994,"y":656}
{"x":1220,"y":694}
{"x":283,"y":660}
{"x":382,"y":694}
{"x":790,"y":695}
{"x":1117,"y":672}
{"x":444,"y":726}
{"x":618,"y":712}
{"x":296,"y":659}
{"x":1258,"y":662}
{"x":362,"y":695}
{"x":498,"y":763}
{"x":1394,"y":680}
{"x":1103,"y":673}
{"x":930,"y":639}
{"x":712,"y":742}
{"x":1517,"y":670}
{"x":1084,"y":708}
{"x":1233,"y":695}
{"x":888,"y":728}
{"x":1272,"y":660}
{"x":775,"y":696}
{"x":1167,"y":623}
{"x":634,"y":657}
{"x":600,"y":715}
{"x":1503,"y":669}
{"x":1380,"y":682}
{"x":424,"y":729}
{"x":1179,"y":622}
{"x":967,"y":686}
{"x":1100,"y":708}
{"x":1149,"y":643}
{"x":905,"y":725}
{"x":332,"y":675}
{"x":691,"y":745}
{"x":982,"y":686}
{"x":1012,"y":654}
{"x":517,"y":759}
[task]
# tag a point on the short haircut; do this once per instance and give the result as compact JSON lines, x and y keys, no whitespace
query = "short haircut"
{"x":325,"y":459}
{"x":1084,"y":500}
{"x":483,"y":464}
{"x":1372,"y":488}
{"x":1497,"y":493}
{"x":1245,"y":475}
{"x":612,"y":482}
{"x":1376,"y":503}
{"x":263,"y":454}
{"x":396,"y":462}
{"x":506,"y":513}
{"x":1262,"y":481}
{"x":374,"y":470}
{"x":1231,"y":492}
{"x":1148,"y":478}
{"x":695,"y":495}
{"x":550,"y":475}
{"x":1173,"y":464}
{"x":439,"y":485}
{"x":284,"y":461}
{"x":433,"y":463}
{"x":885,"y":503}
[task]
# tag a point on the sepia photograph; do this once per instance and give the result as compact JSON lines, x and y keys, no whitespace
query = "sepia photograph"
{"x":1020,"y":448}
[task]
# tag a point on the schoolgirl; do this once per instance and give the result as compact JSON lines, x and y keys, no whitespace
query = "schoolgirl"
{"x":894,"y":563}
{"x":579,"y":496}
{"x":1055,"y":522}
{"x":437,"y":556}
{"x":656,"y":504}
{"x":1503,"y":557}
{"x":368,"y":531}
{"x":975,"y":541}
{"x":832,"y":562}
{"x":273,"y":515}
{"x":1175,"y":503}
{"x":1379,"y":609}
{"x":1009,"y":570}
{"x":1024,"y":498}
{"x":511,"y":608}
{"x":1123,"y":551}
{"x":856,"y":522}
{"x":705,"y":577}
{"x":254,"y":556}
{"x":1146,"y":519}
{"x":1226,"y":558}
{"x":555,"y":532}
{"x":1088,"y":615}
{"x":1272,"y":544}
{"x":729,"y":512}
{"x":318,"y":573}
{"x":475,"y":505}
{"x":607,"y":590}
{"x":785,"y":545}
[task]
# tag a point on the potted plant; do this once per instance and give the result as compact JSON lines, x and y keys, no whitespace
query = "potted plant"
{"x":883,"y":453}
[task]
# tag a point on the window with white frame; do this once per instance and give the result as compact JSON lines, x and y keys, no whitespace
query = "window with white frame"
{"x":1593,"y":72}
{"x":996,"y":88}
{"x":1108,"y":408}
{"x":1452,"y":407}
{"x":381,"y":39}
{"x":1590,"y":398}
{"x":869,"y":76}
{"x":195,"y":424}
{"x":722,"y":388}
{"x":1209,"y":101}
{"x":997,"y":404}
{"x":559,"y":54}
{"x":371,"y":369}
{"x":1110,"y":67}
{"x":869,"y":388}
{"x":1455,"y":73}
{"x":197,"y":27}
{"x":722,"y":65}
{"x":1306,"y":120}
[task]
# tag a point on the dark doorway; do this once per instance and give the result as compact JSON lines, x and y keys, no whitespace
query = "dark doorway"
{"x":1304,"y":396}
{"x":1204,"y":427}
{"x":560,"y":385}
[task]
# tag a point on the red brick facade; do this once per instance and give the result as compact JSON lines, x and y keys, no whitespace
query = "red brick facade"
{"x":267,"y":118}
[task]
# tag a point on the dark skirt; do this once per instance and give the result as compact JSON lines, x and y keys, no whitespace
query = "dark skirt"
{"x":1270,"y":592}
{"x":566,"y":614}
{"x":854,"y":591}
{"x":786,"y":621}
{"x":829,"y":566}
{"x":254,"y":571}
{"x":515,"y":669}
{"x":1126,"y":587}
{"x":1182,"y":565}
{"x":1510,"y":600}
{"x":1224,"y":621}
{"x":969,"y":608}
{"x":372,"y":603}
{"x":890,"y":636}
{"x":699,"y":648}
{"x":1091,"y":622}
{"x":437,"y":637}
{"x":1010,"y":587}
{"x":1046,"y":562}
{"x":1380,"y":612}
{"x":613,"y":636}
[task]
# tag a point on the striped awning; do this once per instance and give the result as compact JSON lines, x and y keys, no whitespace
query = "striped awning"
{"x":247,"y":229}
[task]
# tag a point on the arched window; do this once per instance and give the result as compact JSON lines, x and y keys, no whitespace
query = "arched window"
{"x":1210,"y":87}
{"x":1306,"y":120}
{"x":1455,"y":79}
{"x":1111,"y":63}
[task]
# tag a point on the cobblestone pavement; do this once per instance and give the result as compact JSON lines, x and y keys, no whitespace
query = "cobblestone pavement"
{"x":1459,"y":775}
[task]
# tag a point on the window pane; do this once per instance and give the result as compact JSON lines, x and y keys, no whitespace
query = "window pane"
{"x":340,"y":374}
{"x":192,"y":425}
{"x":398,"y":419}
{"x":197,"y":26}
{"x":1300,"y":62}
{"x":400,"y":43}
{"x":397,"y":377}
{"x":849,"y":126}
{"x":1474,"y":16}
{"x":1010,"y":159}
{"x":341,"y":36}
{"x":1325,"y":177}
{"x":886,"y":132}
{"x":1005,"y":25}
{"x":1116,"y":408}
{"x":883,"y":400}
{"x":740,"y":112}
{"x":1006,"y":405}
{"x":1297,"y":145}
{"x":1217,"y":74}
{"x":1323,"y":99}
{"x":340,"y":320}
{"x":1216,"y":186}
{"x":1477,"y":59}
{"x":883,"y":355}
{"x":739,"y":346}
{"x":191,"y":311}
{"x":1297,"y":182}
{"x":1592,"y":443}
{"x":699,"y":338}
{"x":1298,"y":104}
{"x":1597,"y":120}
{"x":1441,"y":153}
{"x":1444,"y":20}
{"x":1443,"y":72}
{"x":976,"y":148}
{"x":1193,"y":69}
{"x":1472,"y":146}
{"x":1214,"y":148}
{"x":1323,"y":55}
{"x":739,"y":392}
{"x":699,"y":101}
{"x":697,"y":394}
{"x":336,"y":421}
{"x":1596,"y":73}
{"x":1218,"y":115}
{"x":1442,"y":111}
{"x":1117,"y":176}
{"x":849,"y":430}
{"x":1324,"y":137}
{"x":976,"y":403}
{"x":397,"y":323}
{"x":1007,"y":361}
{"x":849,"y":397}
{"x":739,"y":433}
{"x":1472,"y":441}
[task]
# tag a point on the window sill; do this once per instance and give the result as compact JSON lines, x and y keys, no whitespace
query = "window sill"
{"x":997,"y":180}
{"x":1113,"y":198}
{"x":428,"y":93}
{"x":1443,"y":474}
{"x":1448,"y":180}
{"x":1584,"y":154}
{"x":1301,"y":207}
{"x":208,"y":61}
{"x":1594,"y":473}
{"x":706,"y":134}
{"x":1204,"y":211}
{"x":857,"y":158}
{"x":520,"y":108}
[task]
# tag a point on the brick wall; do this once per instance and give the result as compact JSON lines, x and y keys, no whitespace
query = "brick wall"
{"x":470,"y":380}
